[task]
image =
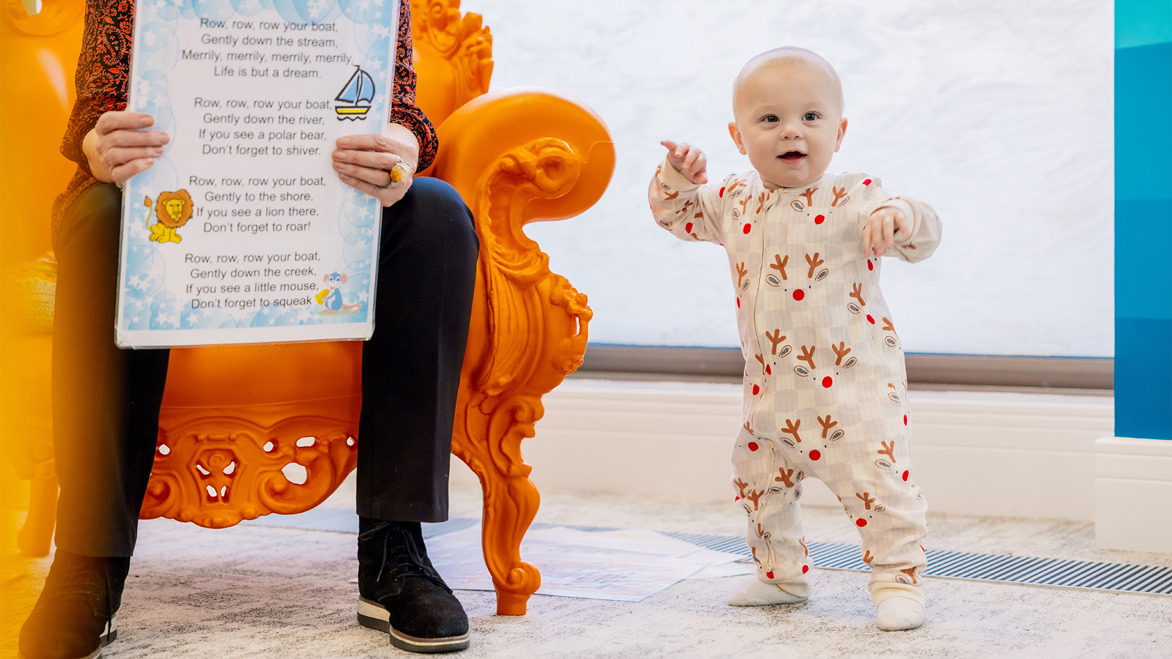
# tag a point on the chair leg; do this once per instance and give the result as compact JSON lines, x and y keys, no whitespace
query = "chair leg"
{"x":35,"y":537}
{"x":510,"y":503}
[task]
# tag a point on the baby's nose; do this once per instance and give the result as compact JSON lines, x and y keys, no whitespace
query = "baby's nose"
{"x":791,"y":130}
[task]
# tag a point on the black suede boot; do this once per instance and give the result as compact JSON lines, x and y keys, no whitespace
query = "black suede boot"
{"x":74,"y":616}
{"x":402,"y":594}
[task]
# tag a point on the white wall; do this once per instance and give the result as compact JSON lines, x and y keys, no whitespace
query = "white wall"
{"x":999,"y":113}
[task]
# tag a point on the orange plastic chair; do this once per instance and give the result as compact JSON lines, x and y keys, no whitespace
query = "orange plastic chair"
{"x":229,"y":445}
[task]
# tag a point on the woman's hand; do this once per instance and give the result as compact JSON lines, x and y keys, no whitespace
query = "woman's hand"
{"x":379,"y":165}
{"x":119,"y":146}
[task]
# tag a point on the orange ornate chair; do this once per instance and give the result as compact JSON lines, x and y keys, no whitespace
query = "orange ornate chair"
{"x":251,"y":430}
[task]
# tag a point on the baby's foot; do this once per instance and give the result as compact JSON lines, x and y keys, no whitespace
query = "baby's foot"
{"x":900,"y":613}
{"x":754,"y":592}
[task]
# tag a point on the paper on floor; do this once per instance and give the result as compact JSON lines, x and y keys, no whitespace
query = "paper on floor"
{"x":625,"y":565}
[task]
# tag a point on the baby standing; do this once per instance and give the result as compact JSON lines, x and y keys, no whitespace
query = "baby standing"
{"x":825,"y":384}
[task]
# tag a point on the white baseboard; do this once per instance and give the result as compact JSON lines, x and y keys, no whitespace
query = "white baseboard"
{"x":1133,"y":494}
{"x":983,"y":453}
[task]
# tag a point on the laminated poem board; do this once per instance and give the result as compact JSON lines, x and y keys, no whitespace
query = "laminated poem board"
{"x":242,"y":232}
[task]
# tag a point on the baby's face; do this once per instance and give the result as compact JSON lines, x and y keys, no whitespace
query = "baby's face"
{"x":788,"y":121}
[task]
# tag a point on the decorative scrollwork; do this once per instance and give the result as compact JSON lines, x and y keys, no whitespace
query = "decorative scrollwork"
{"x":217,"y":479}
{"x":461,"y":41}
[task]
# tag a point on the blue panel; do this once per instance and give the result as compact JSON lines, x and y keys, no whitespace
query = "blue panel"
{"x":1143,"y":378}
{"x":1143,"y":219}
{"x":1143,"y":122}
{"x":1143,"y":259}
{"x":1142,"y":22}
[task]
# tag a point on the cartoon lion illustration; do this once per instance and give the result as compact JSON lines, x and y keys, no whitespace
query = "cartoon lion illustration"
{"x":173,"y":210}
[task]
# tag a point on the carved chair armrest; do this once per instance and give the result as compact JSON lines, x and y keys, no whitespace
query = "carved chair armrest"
{"x":553,"y":146}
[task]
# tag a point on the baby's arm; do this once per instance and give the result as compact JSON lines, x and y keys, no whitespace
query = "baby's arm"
{"x":909,"y":228}
{"x":678,"y":201}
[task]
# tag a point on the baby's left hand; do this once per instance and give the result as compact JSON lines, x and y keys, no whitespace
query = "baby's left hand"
{"x":880,"y":229}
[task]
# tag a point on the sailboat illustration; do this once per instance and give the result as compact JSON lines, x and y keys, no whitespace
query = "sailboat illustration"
{"x":358,"y":89}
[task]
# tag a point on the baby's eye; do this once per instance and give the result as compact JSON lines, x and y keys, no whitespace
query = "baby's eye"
{"x":770,"y":118}
{"x":810,"y":116}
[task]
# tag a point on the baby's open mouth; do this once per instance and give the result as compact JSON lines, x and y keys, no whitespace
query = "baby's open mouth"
{"x":792,"y":155}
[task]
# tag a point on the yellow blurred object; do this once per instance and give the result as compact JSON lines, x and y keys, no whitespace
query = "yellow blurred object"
{"x":37,"y":57}
{"x":233,"y":448}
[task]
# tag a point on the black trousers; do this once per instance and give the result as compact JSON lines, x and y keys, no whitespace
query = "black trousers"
{"x":106,"y":400}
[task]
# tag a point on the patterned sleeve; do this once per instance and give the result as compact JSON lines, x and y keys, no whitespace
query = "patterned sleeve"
{"x":404,"y":111}
{"x":103,"y":72}
{"x":687,"y":210}
{"x":924,"y":237}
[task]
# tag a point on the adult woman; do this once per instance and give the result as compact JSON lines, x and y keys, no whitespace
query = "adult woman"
{"x":106,"y":400}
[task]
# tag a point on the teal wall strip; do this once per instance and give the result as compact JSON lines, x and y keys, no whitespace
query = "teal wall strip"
{"x":1143,"y":391}
{"x":1143,"y":219}
{"x":1143,"y":258}
{"x":1142,"y":22}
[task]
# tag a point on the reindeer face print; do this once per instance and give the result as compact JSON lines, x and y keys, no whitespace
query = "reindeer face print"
{"x":890,"y":339}
{"x":742,"y":208}
{"x":807,"y":368}
{"x":857,"y":303}
{"x":742,"y":278}
{"x":870,"y":506}
{"x":791,"y":437}
{"x":777,"y":277}
{"x":804,"y":205}
{"x":888,"y":462}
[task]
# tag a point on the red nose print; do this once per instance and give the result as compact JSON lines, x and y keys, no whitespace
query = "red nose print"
{"x":820,"y":219}
{"x":736,"y":498}
{"x":769,"y":574}
{"x":905,"y":419}
{"x":768,"y":370}
{"x":905,"y":475}
{"x":738,"y":303}
{"x":815,"y":455}
{"x":805,"y":569}
{"x":827,"y":381}
{"x":860,"y":522}
{"x":688,"y":228}
{"x":756,"y":390}
{"x":721,"y":193}
{"x":799,"y":294}
{"x":870,"y":264}
{"x":748,"y":227}
{"x":867,"y":182}
{"x":870,"y":319}
{"x":753,"y":446}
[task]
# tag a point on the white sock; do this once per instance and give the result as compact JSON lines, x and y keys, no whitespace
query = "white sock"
{"x":754,"y":592}
{"x":900,"y":613}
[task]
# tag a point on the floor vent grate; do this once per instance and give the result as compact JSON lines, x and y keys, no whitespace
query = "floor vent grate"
{"x":1026,"y":570}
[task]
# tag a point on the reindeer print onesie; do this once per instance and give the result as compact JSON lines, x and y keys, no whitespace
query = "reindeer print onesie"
{"x":825,"y":383}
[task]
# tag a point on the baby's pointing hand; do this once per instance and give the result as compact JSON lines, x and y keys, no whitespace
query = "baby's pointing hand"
{"x":688,"y":160}
{"x":880,"y":229}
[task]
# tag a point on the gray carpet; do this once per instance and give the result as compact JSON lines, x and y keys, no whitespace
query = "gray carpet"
{"x":258,"y":591}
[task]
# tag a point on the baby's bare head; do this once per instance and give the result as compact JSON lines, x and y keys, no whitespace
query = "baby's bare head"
{"x":769,"y":68}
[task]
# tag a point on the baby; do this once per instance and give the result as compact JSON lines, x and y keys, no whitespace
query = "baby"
{"x":825,"y":388}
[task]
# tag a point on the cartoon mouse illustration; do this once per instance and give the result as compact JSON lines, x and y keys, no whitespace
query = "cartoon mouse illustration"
{"x":331,"y":297}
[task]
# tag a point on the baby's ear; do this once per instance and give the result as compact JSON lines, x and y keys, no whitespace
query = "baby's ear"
{"x":841,"y":132}
{"x":736,"y":137}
